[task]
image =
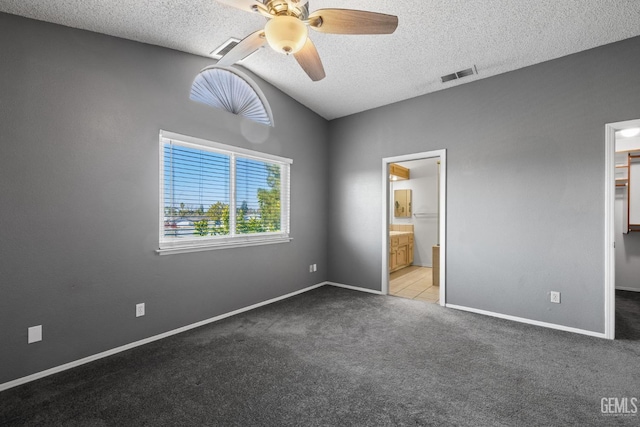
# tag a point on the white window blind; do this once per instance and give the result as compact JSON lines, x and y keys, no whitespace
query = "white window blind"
{"x":231,"y":90}
{"x":215,"y":196}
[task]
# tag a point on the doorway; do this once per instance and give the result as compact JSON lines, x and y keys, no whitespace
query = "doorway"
{"x":409,"y":228}
{"x":622,"y":215}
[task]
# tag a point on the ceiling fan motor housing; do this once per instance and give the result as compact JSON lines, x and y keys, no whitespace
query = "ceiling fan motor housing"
{"x":299,"y":9}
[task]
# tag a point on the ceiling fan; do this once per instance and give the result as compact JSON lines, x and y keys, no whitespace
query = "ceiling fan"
{"x":286,"y":31}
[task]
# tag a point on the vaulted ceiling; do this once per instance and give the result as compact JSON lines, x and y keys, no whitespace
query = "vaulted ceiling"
{"x":433,"y":38}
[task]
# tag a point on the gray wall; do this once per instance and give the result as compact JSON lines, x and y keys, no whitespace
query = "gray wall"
{"x":79,"y":120}
{"x":525,"y":183}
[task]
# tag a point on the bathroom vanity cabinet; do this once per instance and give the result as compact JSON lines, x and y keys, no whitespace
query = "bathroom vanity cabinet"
{"x":400,"y":250}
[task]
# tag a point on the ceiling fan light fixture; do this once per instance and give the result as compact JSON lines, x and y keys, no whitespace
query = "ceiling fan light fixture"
{"x":286,"y":30}
{"x":286,"y":34}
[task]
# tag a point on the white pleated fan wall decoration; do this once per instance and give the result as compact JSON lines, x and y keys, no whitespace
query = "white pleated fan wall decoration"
{"x":232,"y":91}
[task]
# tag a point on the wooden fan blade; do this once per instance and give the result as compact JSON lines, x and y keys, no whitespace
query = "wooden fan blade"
{"x":247,"y":45}
{"x":246,"y":5}
{"x":309,"y":60}
{"x":347,"y":21}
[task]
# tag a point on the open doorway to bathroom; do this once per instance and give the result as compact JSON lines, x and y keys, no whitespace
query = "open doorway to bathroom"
{"x":414,"y":188}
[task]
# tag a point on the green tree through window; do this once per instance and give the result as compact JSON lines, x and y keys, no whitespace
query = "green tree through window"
{"x":269,"y":199}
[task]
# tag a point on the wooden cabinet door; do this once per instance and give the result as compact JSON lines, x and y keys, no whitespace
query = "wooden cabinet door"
{"x":393,"y":262}
{"x":400,"y":251}
{"x":401,"y":255}
{"x":410,"y":249}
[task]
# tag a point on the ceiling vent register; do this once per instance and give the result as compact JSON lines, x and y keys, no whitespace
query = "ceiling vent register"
{"x":226,"y":47}
{"x":459,"y":74}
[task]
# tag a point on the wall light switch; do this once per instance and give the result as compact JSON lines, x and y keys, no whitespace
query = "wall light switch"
{"x":315,"y":267}
{"x":35,"y":334}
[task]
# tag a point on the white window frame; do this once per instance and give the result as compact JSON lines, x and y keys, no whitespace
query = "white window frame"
{"x":196,"y":244}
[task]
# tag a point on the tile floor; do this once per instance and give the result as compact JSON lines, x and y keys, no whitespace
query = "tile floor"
{"x":414,"y":282}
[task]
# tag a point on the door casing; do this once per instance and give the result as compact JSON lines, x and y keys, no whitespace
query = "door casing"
{"x":442,"y":210}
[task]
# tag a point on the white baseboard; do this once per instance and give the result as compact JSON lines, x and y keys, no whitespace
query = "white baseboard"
{"x":55,"y":370}
{"x":79,"y":362}
{"x":353,"y":288}
{"x":624,"y":288}
{"x":528,"y":321}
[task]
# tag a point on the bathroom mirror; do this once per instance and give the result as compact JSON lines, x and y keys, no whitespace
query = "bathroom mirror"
{"x":402,"y":203}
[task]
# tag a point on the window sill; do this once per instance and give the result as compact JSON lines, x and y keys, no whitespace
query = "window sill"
{"x":226,"y":245}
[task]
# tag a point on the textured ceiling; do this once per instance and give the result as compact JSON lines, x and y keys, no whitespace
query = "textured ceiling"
{"x":434,"y":38}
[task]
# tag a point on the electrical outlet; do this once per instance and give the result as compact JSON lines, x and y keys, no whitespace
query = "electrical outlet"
{"x":35,"y":334}
{"x":315,"y":267}
{"x":310,"y":268}
{"x":555,"y":297}
{"x":140,"y":309}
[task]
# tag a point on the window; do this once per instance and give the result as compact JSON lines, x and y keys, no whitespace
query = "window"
{"x":202,"y":183}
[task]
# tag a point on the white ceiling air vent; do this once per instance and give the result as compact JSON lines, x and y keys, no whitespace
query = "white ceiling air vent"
{"x":459,"y":74}
{"x":449,"y":77}
{"x":225,"y":47}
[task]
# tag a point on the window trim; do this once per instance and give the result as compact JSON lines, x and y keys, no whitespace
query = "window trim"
{"x":225,"y":242}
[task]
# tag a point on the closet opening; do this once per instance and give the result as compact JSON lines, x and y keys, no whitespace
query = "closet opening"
{"x":622,"y":222}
